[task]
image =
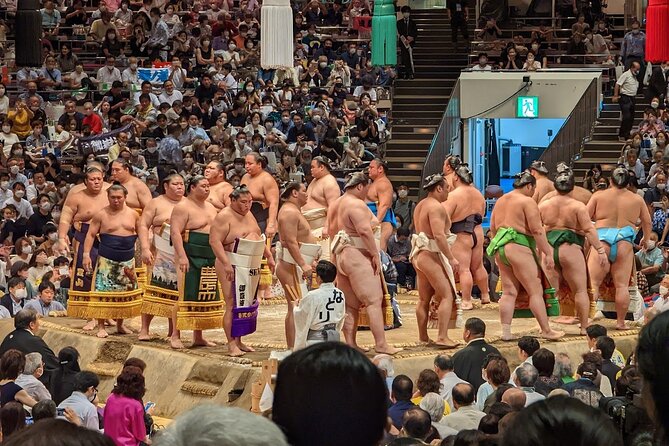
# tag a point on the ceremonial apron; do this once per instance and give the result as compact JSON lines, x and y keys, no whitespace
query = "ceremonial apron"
{"x":246,"y":257}
{"x":161,"y":293}
{"x":200,"y":305}
{"x":310,"y":253}
{"x":81,"y":284}
{"x":115,"y":293}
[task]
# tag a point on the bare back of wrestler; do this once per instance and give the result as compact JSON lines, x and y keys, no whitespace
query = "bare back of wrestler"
{"x":617,"y":208}
{"x":193,"y":213}
{"x":466,"y":202}
{"x":293,"y":231}
{"x":430,"y":218}
{"x":562,"y":212}
{"x":359,"y":268}
{"x":233,"y":223}
{"x":518,"y":210}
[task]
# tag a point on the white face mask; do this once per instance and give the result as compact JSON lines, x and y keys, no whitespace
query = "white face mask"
{"x":20,"y":193}
{"x":53,"y":236}
{"x":654,"y":104}
{"x":651,"y":245}
{"x":402,"y":193}
{"x":27,"y":249}
{"x":242,"y":142}
{"x":249,"y":89}
{"x":46,"y":206}
{"x":4,"y":185}
{"x":21,"y":293}
{"x":6,"y":128}
{"x":323,"y":64}
{"x":14,"y":170}
{"x":133,"y":66}
{"x":664,"y":290}
{"x":64,"y":271}
{"x":661,"y":186}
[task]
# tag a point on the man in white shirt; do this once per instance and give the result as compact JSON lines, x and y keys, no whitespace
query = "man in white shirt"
{"x":625,"y":91}
{"x":109,"y":73}
{"x":146,"y":88}
{"x":83,"y":399}
{"x":23,"y":206}
{"x":170,"y":94}
{"x":443,"y":366}
{"x":130,"y":75}
{"x":319,"y":316}
{"x":467,"y":416}
{"x":483,"y":63}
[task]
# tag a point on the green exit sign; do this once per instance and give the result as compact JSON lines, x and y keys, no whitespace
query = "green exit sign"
{"x":528,"y":107}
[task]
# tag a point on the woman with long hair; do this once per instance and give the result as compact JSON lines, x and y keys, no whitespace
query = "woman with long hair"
{"x":124,"y":411}
{"x":62,"y":382}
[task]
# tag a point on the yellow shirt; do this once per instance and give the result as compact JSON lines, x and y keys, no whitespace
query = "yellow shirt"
{"x":21,"y":119}
{"x":418,"y":399}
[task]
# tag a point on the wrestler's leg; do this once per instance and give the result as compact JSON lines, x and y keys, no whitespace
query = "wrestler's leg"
{"x":200,"y":341}
{"x":367,"y":288}
{"x":352,"y":310}
{"x":175,"y":338}
{"x":120,"y":329}
{"x":574,"y":273}
{"x":144,"y":330}
{"x":226,"y":289}
{"x":479,"y":274}
{"x":621,"y":271}
{"x":425,"y":293}
{"x":507,"y":303}
{"x":527,"y":272}
{"x":596,"y":271}
{"x":102,"y":333}
{"x":462,"y":250}
{"x":386,"y":232}
{"x":285,"y":274}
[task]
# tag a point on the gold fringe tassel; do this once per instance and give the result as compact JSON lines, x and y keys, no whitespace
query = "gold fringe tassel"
{"x":157,"y":301}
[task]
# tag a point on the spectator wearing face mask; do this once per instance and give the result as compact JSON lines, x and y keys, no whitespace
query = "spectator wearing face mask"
{"x":38,"y":221}
{"x":657,"y":86}
{"x":483,"y":63}
{"x":15,"y":298}
{"x":650,"y":260}
{"x":38,"y":267}
{"x":50,"y":236}
{"x":23,"y":206}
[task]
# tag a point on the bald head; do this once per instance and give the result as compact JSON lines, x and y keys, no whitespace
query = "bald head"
{"x":515,"y":398}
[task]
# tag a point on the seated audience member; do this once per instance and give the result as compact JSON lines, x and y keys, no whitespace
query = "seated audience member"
{"x":70,"y":434}
{"x":584,"y":388}
{"x":416,"y":424}
{"x":84,"y":399}
{"x":561,"y":421}
{"x":606,"y":347}
{"x":525,"y":378}
{"x":563,"y":368}
{"x":16,"y":297}
{"x":489,"y":424}
{"x":527,"y":345}
{"x":319,"y":377}
{"x":62,"y":384}
{"x":309,"y":325}
{"x":29,"y":378}
{"x":497,"y":374}
{"x":651,"y":359}
{"x":25,"y":339}
{"x":468,"y":361}
{"x":434,"y":405}
{"x":384,"y":363}
{"x":45,"y":304}
{"x":515,"y":398}
{"x":13,"y":420}
{"x":443,"y":366}
{"x":466,"y":415}
{"x":11,"y":366}
{"x":593,"y":332}
{"x":659,"y":305}
{"x":124,"y":411}
{"x":544,"y":361}
{"x":400,"y":395}
{"x":399,"y":247}
{"x":428,"y":382}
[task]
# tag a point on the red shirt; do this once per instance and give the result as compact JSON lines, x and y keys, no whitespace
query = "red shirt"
{"x":94,"y":122}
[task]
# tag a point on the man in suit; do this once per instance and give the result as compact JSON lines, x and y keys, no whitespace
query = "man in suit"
{"x":15,"y":299}
{"x":606,"y":347}
{"x":468,"y":362}
{"x":25,"y":339}
{"x":657,"y":87}
{"x":407,"y":30}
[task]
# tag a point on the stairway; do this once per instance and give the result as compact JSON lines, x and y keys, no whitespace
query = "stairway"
{"x":604,"y":148}
{"x":419,"y":104}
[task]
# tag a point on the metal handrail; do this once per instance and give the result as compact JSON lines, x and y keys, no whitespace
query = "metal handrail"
{"x":446,"y":139}
{"x":576,"y":130}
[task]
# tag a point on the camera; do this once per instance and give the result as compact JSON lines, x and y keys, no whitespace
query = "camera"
{"x":629,"y":416}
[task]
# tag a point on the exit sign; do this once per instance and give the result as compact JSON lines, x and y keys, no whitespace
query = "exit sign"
{"x":528,"y":107}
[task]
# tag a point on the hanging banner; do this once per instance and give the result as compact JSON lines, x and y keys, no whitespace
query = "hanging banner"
{"x":100,"y":144}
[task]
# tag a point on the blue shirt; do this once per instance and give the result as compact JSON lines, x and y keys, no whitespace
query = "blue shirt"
{"x":633,"y":44}
{"x":169,"y":151}
{"x":653,"y":257}
{"x":397,"y":410}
